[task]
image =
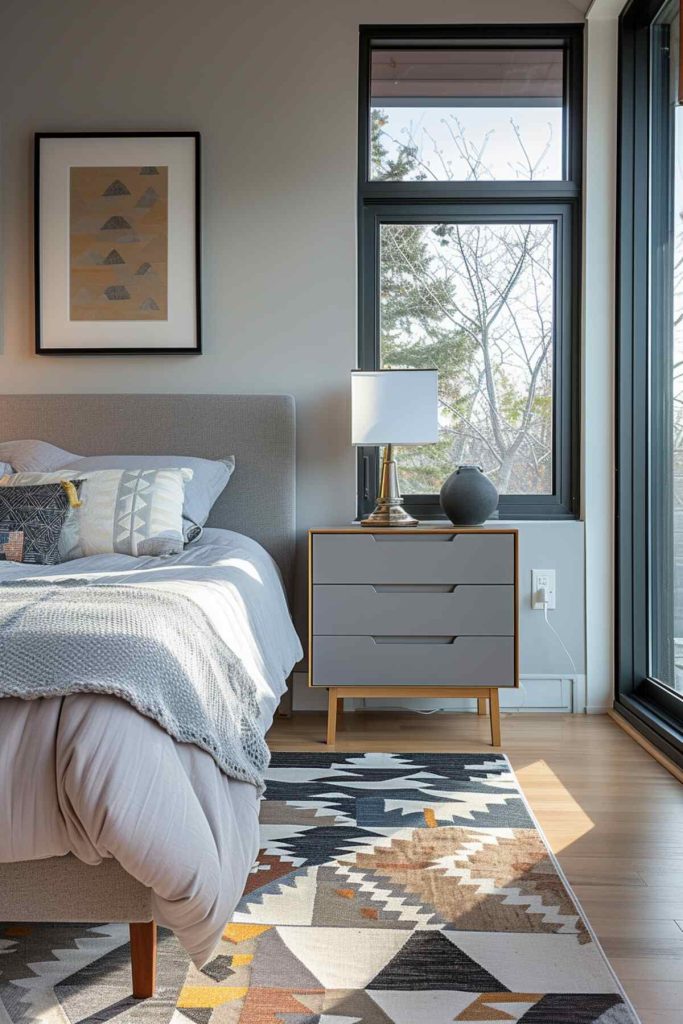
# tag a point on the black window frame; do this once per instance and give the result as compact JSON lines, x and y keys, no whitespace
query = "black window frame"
{"x":643,"y":358}
{"x":549,"y":200}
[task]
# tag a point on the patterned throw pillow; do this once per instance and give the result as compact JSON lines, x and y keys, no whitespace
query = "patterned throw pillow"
{"x":128,"y":511}
{"x":209,"y":479}
{"x":31,"y":521}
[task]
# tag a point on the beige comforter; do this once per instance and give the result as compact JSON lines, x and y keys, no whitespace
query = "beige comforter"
{"x":89,"y":775}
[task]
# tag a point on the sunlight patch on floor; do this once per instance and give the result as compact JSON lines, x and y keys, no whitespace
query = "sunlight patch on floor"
{"x":562,"y":819}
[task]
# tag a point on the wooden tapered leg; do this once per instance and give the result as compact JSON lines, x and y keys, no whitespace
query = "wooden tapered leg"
{"x":331,"y":715}
{"x":495,"y":716}
{"x":481,"y":706}
{"x":143,"y":958}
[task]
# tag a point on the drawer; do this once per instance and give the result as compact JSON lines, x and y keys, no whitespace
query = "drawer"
{"x":414,"y":609}
{"x":427,"y":558}
{"x":413,"y":661}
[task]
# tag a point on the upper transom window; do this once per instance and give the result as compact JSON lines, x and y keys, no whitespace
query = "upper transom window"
{"x":467,"y":114}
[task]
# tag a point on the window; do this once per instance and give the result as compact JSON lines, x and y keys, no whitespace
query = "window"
{"x":649,"y":596}
{"x":469,"y":185}
{"x":464,"y":114}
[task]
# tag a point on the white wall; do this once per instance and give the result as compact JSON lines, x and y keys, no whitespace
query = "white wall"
{"x":599,"y":308}
{"x":598,"y":343}
{"x":273,"y":89}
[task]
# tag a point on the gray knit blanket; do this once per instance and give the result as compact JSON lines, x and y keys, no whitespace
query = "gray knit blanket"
{"x":154,"y":649}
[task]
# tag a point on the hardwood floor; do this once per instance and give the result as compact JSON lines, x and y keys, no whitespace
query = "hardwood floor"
{"x":613,"y":816}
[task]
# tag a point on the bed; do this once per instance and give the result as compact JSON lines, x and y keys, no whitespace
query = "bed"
{"x":105,"y":817}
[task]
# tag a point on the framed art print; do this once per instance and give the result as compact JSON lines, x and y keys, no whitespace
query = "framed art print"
{"x":117,"y":242}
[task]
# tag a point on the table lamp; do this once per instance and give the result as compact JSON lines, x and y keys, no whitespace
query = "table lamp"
{"x":393,"y":407}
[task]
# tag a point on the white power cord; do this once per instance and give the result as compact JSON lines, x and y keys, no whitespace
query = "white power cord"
{"x":402,"y":707}
{"x":543,"y":597}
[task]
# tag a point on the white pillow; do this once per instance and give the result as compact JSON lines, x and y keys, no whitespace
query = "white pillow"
{"x":5,"y":468}
{"x":34,"y":456}
{"x":128,"y":511}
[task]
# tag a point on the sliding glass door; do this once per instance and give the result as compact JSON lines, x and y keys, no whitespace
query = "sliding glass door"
{"x":650,"y":375}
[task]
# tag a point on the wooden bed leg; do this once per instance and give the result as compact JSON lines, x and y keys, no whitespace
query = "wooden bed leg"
{"x":143,"y":958}
{"x":331,"y":715}
{"x":481,"y":705}
{"x":495,"y":716}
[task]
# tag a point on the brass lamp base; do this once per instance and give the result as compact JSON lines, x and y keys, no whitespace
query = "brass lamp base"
{"x":386,"y":514}
{"x":389,"y":510}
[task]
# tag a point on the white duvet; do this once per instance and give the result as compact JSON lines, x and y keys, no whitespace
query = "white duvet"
{"x":89,"y":775}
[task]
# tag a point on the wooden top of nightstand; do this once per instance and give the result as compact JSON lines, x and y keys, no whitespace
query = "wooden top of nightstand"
{"x":421,"y":528}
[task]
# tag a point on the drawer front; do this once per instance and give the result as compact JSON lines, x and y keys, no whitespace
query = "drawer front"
{"x":414,"y":610}
{"x":411,"y":661}
{"x":427,"y":558}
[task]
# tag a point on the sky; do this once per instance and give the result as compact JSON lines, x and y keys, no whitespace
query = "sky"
{"x":429,"y":128}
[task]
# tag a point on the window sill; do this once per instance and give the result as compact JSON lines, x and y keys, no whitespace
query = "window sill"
{"x":492,"y":524}
{"x":655,"y":727}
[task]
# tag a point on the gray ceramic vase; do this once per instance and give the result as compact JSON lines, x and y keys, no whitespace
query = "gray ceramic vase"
{"x":468,"y":497}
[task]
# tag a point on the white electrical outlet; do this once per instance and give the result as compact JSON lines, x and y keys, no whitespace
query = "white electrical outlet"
{"x":542,"y":579}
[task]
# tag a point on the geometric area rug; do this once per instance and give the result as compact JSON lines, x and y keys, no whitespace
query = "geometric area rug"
{"x":389,"y":889}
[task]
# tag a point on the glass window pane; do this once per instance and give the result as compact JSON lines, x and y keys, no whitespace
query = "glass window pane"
{"x":666,"y":361}
{"x":677,"y":400}
{"x":475,"y":301}
{"x":466,"y":114}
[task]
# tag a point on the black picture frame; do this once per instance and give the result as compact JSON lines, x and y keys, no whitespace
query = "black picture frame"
{"x":40,"y":349}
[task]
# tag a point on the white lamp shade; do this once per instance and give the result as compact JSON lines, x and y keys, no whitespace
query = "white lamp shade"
{"x":394,"y":407}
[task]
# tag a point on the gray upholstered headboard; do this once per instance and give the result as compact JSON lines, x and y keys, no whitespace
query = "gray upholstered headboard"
{"x":259,"y":430}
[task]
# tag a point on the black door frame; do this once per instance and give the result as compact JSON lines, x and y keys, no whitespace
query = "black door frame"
{"x":654,"y":709}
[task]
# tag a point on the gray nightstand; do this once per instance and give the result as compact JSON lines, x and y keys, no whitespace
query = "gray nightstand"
{"x":420,"y":612}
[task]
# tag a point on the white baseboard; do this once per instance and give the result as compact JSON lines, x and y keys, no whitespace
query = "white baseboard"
{"x":542,"y":693}
{"x":304,"y":697}
{"x":599,"y":709}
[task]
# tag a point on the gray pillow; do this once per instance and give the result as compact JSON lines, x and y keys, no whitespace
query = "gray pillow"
{"x":209,"y":479}
{"x":34,"y":456}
